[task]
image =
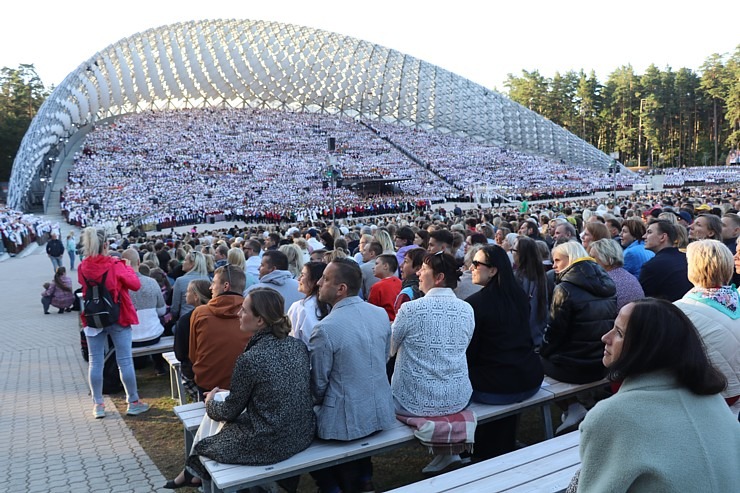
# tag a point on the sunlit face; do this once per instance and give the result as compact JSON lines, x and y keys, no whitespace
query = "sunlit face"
{"x":614,"y":339}
{"x":499,"y":237}
{"x":559,"y":262}
{"x":305,"y":283}
{"x":482,"y":272}
{"x":435,"y":246}
{"x":218,"y":285}
{"x":407,"y":268}
{"x":627,"y":238}
{"x":737,"y":258}
{"x":653,"y":238}
{"x":524,"y":229}
{"x":367,"y":253}
{"x":560,"y":232}
{"x":699,"y":230}
{"x":190,"y":297}
{"x":330,"y":289}
{"x":729,"y":230}
{"x":586,"y":238}
{"x":265,"y":267}
{"x":427,"y":279}
{"x":248,"y":321}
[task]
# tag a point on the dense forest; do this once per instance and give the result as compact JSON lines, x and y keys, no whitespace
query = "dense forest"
{"x":660,"y":118}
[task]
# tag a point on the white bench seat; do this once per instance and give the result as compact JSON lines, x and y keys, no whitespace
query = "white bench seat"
{"x":544,"y":467}
{"x":164,"y":345}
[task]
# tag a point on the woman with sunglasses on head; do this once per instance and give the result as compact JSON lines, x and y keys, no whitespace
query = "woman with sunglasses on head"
{"x":502,"y":362}
{"x":194,"y":267}
{"x":667,"y":428}
{"x":306,"y":313}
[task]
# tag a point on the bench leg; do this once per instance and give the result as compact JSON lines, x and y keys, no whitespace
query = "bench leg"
{"x":173,"y":383}
{"x":547,"y":418}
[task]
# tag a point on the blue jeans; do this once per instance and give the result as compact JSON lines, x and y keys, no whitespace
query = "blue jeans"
{"x":121,"y":337}
{"x":502,"y":399}
{"x":71,"y":254}
{"x":56,"y":262}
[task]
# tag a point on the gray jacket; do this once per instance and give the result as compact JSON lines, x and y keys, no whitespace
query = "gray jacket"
{"x":281,"y":281}
{"x":349,"y":349}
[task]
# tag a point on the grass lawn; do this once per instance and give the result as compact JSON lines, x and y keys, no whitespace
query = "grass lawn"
{"x":160,"y":434}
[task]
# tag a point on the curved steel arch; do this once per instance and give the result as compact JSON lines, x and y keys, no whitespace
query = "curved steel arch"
{"x":243,"y":63}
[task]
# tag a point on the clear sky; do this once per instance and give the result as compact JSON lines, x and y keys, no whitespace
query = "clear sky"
{"x":480,"y":40}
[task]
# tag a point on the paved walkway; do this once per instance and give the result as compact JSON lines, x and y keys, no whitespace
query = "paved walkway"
{"x":50,"y":441}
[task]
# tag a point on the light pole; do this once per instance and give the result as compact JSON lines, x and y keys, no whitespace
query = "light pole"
{"x":333,"y":174}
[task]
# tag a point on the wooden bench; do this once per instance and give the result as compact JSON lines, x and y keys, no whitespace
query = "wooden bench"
{"x":321,"y":454}
{"x":544,"y":467}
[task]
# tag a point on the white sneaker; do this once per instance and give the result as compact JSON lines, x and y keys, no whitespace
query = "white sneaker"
{"x":441,"y":462}
{"x":574,"y":415}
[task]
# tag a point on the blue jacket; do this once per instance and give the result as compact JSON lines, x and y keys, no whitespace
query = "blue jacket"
{"x":634,"y":256}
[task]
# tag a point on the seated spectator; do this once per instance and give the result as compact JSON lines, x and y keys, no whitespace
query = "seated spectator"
{"x":306,"y":313}
{"x":530,"y":272}
{"x":274,"y":274}
{"x":349,"y":349}
{"x":608,"y":254}
{"x":267,"y":415}
{"x":502,"y":362}
{"x":215,"y":338}
{"x":58,"y":293}
{"x":150,"y":306}
{"x":667,"y":428}
{"x":412,"y":262}
{"x":431,"y":335}
{"x":665,"y":275}
{"x":386,"y":290}
{"x":713,"y":306}
{"x":583,"y":308}
{"x":194,"y":267}
{"x":635,"y":254}
{"x":198,"y":293}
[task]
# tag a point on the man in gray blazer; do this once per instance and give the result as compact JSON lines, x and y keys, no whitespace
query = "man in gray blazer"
{"x":349,"y":349}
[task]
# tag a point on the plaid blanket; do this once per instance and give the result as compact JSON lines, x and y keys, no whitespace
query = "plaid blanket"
{"x":444,"y":435}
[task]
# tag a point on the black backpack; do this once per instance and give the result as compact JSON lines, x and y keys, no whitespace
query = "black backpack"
{"x":99,"y":308}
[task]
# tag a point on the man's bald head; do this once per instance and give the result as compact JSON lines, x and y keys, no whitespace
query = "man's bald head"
{"x":133,"y":257}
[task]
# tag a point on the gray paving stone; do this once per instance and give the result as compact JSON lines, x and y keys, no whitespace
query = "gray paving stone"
{"x":53,"y":443}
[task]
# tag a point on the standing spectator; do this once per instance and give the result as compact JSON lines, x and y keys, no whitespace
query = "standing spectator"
{"x":71,"y":249}
{"x":120,"y":278}
{"x":530,"y":272}
{"x":348,"y":350}
{"x":253,"y":253}
{"x":404,"y":242}
{"x":370,"y":252}
{"x":55,"y":251}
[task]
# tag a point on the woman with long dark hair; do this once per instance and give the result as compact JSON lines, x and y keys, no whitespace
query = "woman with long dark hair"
{"x":502,"y":362}
{"x":530,"y":272}
{"x":667,"y":428}
{"x":306,"y":313}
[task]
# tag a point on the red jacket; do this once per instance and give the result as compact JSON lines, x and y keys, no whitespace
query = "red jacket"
{"x":121,"y":278}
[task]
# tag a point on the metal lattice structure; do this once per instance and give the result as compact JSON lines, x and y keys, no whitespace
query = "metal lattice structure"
{"x":242,"y":63}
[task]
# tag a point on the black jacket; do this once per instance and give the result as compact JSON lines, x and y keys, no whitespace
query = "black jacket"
{"x":666,"y":275}
{"x":55,"y":248}
{"x":501,"y":356}
{"x":584,"y":306}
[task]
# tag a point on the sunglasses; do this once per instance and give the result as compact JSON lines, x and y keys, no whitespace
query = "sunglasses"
{"x":477,"y":264}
